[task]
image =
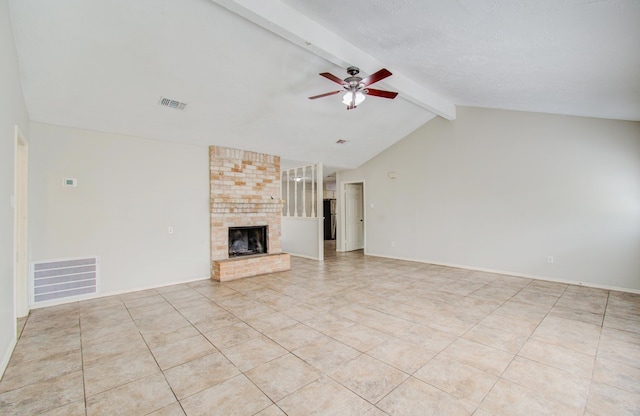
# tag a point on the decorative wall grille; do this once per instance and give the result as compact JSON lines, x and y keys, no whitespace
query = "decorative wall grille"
{"x":57,"y":279}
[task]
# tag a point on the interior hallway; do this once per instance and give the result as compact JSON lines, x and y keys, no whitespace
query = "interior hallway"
{"x":353,"y":335}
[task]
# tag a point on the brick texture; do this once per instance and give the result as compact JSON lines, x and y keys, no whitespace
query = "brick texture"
{"x":236,"y":268}
{"x":244,"y":191}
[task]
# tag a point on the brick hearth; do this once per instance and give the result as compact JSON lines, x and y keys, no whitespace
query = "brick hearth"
{"x":245,"y":191}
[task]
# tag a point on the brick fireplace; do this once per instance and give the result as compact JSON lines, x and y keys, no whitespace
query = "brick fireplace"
{"x":244,"y":192}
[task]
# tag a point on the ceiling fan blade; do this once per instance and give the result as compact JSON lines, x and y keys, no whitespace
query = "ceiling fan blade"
{"x":373,"y":78}
{"x":325,"y":95}
{"x":333,"y":78}
{"x":381,"y":93}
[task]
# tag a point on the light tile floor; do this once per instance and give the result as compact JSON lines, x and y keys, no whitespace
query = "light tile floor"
{"x":353,"y":335}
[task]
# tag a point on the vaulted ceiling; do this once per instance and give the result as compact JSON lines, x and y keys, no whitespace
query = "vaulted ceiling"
{"x":246,"y":67}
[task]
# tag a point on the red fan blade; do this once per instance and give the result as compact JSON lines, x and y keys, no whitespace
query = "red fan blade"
{"x":333,"y":78}
{"x":373,"y":78}
{"x":381,"y":93}
{"x":325,"y":95}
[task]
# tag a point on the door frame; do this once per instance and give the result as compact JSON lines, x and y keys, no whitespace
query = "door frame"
{"x":21,"y":225}
{"x":343,"y":214}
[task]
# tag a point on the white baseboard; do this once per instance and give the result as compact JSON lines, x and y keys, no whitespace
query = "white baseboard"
{"x":7,"y":354}
{"x":303,"y":256}
{"x":114,"y":293}
{"x":516,"y":274}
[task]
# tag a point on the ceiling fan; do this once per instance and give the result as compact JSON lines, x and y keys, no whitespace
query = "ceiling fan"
{"x":356,"y":88}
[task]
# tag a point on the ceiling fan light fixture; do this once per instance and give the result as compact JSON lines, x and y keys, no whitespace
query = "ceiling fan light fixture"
{"x":348,"y":97}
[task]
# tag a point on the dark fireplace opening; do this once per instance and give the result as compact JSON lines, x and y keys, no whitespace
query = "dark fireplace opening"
{"x":245,"y":241}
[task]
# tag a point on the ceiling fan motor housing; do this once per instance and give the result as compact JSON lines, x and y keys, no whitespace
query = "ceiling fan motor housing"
{"x":355,"y":82}
{"x":353,"y":71}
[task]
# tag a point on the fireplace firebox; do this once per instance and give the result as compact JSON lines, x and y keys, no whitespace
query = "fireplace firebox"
{"x":246,"y":241}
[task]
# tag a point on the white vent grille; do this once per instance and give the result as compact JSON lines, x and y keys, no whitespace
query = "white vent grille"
{"x":57,"y":279}
{"x":168,"y":102}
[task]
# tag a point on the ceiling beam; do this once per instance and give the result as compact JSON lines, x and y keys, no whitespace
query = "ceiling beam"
{"x":297,"y":28}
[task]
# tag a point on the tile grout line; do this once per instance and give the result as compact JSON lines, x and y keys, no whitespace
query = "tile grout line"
{"x":152,"y":355}
{"x":84,"y":387}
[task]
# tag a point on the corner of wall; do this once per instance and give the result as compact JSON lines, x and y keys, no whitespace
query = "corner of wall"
{"x":12,"y":112}
{"x":7,"y":354}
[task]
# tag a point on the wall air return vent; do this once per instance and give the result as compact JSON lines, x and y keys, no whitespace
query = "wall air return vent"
{"x":58,"y":279}
{"x":168,"y":102}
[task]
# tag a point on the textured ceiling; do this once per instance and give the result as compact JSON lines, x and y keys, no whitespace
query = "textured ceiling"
{"x":577,"y":57}
{"x":103,"y":65}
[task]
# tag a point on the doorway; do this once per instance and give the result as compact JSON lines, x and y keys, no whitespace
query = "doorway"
{"x":354,"y":216}
{"x":329,"y":212}
{"x":20,"y":258}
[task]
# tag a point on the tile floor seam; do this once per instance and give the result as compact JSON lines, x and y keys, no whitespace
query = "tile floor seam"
{"x":273,"y":402}
{"x":155,"y":360}
{"x":84,"y":387}
{"x":222,"y":353}
{"x":487,"y":393}
{"x":595,"y":356}
{"x":547,"y":365}
{"x":499,"y":377}
{"x":347,"y":285}
{"x":355,"y":392}
{"x":584,"y":406}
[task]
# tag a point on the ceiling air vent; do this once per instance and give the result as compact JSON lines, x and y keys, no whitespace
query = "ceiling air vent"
{"x":168,"y":102}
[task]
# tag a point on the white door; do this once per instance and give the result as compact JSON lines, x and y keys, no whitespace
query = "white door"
{"x":354,"y":217}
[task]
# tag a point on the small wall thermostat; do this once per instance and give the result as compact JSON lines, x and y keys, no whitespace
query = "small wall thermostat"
{"x":70,"y":182}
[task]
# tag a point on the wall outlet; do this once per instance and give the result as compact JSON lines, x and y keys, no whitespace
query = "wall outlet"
{"x":550,"y":259}
{"x":170,"y":230}
{"x":393,"y":244}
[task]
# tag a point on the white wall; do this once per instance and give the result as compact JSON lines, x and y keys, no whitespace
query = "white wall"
{"x":130,"y":190}
{"x":503,"y":190}
{"x":302,"y":237}
{"x":12,"y":113}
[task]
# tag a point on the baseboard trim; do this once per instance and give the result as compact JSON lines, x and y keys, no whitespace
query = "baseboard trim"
{"x":8,"y":353}
{"x":516,"y":274}
{"x":114,"y":293}
{"x":304,"y":256}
